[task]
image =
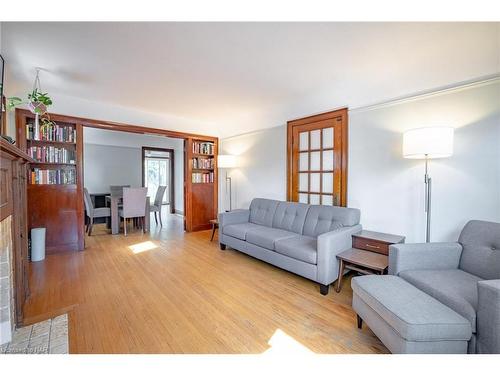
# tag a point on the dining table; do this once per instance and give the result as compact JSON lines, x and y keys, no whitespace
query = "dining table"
{"x":114,"y":202}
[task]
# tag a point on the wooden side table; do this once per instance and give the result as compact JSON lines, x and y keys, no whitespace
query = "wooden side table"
{"x":369,"y":254}
{"x":215,"y":225}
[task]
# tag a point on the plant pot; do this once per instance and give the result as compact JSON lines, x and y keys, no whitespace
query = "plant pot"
{"x":37,"y":107}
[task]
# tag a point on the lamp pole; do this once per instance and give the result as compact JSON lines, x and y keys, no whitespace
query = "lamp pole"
{"x":428,"y":184}
{"x":228,"y":179}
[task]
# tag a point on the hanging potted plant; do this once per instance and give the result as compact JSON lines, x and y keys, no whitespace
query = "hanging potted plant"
{"x":37,"y":101}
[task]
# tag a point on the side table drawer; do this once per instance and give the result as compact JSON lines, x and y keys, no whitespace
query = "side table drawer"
{"x":370,"y":245}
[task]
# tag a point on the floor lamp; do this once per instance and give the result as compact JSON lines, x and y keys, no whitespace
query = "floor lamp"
{"x":428,"y":143}
{"x":226,"y":162}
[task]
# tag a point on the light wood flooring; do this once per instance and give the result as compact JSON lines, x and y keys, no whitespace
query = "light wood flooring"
{"x":178,"y":293}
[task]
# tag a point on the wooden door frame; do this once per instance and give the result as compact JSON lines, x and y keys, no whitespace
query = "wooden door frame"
{"x":343,"y":113}
{"x":171,"y":189}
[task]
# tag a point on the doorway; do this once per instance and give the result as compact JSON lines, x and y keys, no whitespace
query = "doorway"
{"x":317,"y":159}
{"x":158,"y":170}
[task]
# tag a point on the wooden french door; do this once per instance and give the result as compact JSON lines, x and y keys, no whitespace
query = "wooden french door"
{"x":317,"y":159}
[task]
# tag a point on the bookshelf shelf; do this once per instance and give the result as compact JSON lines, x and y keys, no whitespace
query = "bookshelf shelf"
{"x":55,"y":189}
{"x":49,"y":163}
{"x":51,"y":142}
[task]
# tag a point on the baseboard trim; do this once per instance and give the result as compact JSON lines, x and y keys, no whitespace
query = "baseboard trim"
{"x":179,"y":212}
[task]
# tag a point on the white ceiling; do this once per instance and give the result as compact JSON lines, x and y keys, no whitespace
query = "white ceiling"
{"x":240,"y":77}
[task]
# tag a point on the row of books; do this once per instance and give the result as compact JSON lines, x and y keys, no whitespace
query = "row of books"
{"x":199,"y":178}
{"x":201,"y":163}
{"x":51,"y":154}
{"x":51,"y":132}
{"x":53,"y":176}
{"x":203,"y":148}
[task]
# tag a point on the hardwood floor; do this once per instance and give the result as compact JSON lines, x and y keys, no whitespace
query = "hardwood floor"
{"x":178,"y":293}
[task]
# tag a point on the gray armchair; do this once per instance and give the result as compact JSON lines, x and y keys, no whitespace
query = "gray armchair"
{"x":463,"y":275}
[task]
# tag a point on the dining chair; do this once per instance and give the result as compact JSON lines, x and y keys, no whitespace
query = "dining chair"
{"x":117,"y":190}
{"x":134,"y":205}
{"x":92,"y":212}
{"x":156,"y":206}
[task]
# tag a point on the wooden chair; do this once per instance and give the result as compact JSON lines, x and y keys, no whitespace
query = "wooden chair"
{"x":93,"y":213}
{"x":156,"y":206}
{"x":134,"y":205}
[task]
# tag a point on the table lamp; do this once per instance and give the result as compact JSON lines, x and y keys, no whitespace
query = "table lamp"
{"x":428,"y":143}
{"x":226,"y":162}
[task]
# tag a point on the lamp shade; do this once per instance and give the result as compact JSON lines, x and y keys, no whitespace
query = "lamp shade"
{"x":436,"y":142}
{"x":226,"y":161}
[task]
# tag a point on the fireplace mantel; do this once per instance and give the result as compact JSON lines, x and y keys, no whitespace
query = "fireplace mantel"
{"x":14,"y":233}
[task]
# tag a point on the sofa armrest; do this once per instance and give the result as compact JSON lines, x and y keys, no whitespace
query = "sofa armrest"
{"x":437,"y":255}
{"x":233,"y":217}
{"x":488,"y":317}
{"x":329,"y":245}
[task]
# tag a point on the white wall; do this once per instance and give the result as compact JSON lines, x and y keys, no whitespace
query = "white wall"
{"x":386,"y":187}
{"x":114,"y":158}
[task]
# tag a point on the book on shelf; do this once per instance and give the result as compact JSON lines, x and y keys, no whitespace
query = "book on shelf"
{"x":206,"y":148}
{"x":202,"y":178}
{"x":201,"y":163}
{"x":50,"y":132}
{"x":52,"y":154}
{"x":53,"y":176}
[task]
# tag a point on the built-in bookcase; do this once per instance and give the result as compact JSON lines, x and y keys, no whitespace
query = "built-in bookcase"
{"x":201,"y":186}
{"x":203,"y":162}
{"x":55,"y":179}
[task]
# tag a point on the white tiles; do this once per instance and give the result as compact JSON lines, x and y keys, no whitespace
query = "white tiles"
{"x":49,"y":336}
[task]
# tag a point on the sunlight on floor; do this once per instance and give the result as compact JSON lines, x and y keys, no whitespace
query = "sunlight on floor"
{"x":143,"y":246}
{"x":281,"y":343}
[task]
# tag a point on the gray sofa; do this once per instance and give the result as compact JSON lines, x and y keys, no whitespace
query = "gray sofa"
{"x":303,"y":239}
{"x":463,"y":276}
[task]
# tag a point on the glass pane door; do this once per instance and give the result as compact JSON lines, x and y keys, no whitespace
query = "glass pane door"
{"x":317,"y":152}
{"x":156,"y":174}
{"x":316,"y":166}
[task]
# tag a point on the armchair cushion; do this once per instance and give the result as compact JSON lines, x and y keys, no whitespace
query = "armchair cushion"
{"x":424,"y":256}
{"x":481,"y":243}
{"x":301,"y":248}
{"x":239,"y":231}
{"x":488,"y":317}
{"x":453,"y":287}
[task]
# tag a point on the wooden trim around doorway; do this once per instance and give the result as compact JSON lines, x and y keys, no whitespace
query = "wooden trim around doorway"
{"x":171,"y":189}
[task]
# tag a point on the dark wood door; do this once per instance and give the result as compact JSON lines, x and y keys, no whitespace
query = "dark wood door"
{"x":317,"y":159}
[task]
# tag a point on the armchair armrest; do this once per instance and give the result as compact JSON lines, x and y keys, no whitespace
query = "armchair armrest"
{"x":329,"y":245}
{"x":233,"y":217}
{"x":437,"y":255}
{"x":488,"y":317}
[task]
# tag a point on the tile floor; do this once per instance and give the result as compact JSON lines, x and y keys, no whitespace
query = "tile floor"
{"x":47,"y":337}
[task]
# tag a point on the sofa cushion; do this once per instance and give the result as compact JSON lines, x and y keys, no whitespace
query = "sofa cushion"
{"x":262,"y":211}
{"x":455,"y":288}
{"x":239,"y":230}
{"x":481,"y":249}
{"x":290,"y":216}
{"x":302,"y":248}
{"x":413,"y":314}
{"x":321,"y":219}
{"x":266,"y":237}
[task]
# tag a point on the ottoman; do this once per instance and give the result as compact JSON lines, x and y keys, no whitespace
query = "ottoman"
{"x":406,"y":319}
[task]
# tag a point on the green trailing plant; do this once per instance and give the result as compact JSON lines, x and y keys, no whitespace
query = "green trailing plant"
{"x":38,"y":101}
